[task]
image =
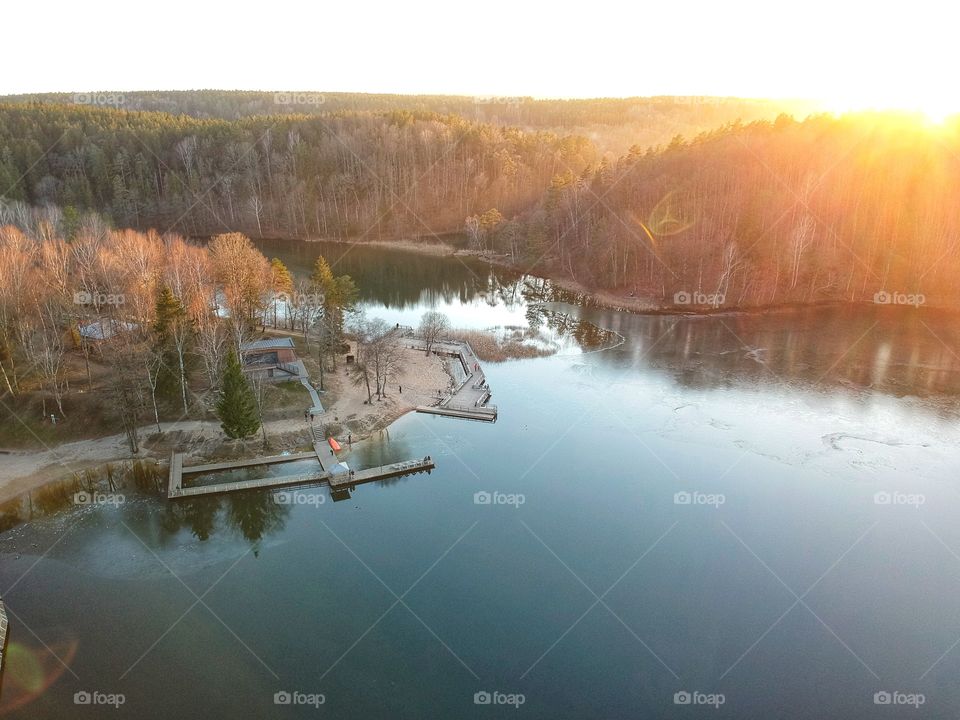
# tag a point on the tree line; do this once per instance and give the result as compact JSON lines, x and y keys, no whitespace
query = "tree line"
{"x":158,"y":319}
{"x":747,"y":214}
{"x":341,"y":175}
{"x":612,"y":124}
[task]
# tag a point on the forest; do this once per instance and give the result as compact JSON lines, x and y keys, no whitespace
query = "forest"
{"x":856,"y":208}
{"x":345,"y":176}
{"x":737,"y":213}
{"x":612,"y":124}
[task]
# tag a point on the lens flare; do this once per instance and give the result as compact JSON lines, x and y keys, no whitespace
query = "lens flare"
{"x":666,"y":219}
{"x":28,"y":672}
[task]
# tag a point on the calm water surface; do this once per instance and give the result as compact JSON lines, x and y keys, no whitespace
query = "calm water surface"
{"x":759,"y":507}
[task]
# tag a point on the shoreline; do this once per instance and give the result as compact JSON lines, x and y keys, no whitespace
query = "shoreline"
{"x":26,"y":470}
{"x":45,"y":471}
{"x":607,"y":299}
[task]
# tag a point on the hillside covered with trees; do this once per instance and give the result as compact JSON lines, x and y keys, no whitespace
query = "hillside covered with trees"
{"x":826,"y":209}
{"x":612,"y":124}
{"x":345,"y":175}
{"x":751,"y":214}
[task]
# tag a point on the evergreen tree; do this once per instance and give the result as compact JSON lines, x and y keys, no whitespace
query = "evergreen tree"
{"x":322,"y":275}
{"x":340,"y":295}
{"x":282,"y":285}
{"x":236,"y":407}
{"x":170,"y":313}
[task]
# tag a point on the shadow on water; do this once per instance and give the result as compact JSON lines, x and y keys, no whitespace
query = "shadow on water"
{"x":253,"y":515}
{"x":401,"y":279}
{"x":128,"y":487}
{"x":396,"y":278}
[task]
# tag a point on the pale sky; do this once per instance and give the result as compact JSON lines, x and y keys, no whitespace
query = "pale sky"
{"x":878,"y":53}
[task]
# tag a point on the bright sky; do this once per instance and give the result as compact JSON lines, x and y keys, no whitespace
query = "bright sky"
{"x":851,"y":54}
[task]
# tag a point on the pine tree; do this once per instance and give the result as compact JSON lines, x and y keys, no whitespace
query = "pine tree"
{"x":340,"y":295}
{"x":282,"y":285}
{"x":169,"y":313}
{"x":236,"y":407}
{"x":322,"y":275}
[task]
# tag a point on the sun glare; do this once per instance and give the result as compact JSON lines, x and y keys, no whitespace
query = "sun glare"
{"x":935,"y":108}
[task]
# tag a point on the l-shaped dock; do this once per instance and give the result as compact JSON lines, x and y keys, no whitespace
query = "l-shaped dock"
{"x":326,"y":472}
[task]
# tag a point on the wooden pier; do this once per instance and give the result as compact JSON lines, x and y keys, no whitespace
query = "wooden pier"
{"x":381,"y":472}
{"x":337,"y":481}
{"x":469,"y":399}
{"x":177,"y":471}
{"x":3,"y":634}
{"x":234,"y":464}
{"x":259,"y":484}
{"x":483,"y":414}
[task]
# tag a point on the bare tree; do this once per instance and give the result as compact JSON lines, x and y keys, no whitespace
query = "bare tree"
{"x":378,"y":355}
{"x":126,"y":355}
{"x":244,"y":276}
{"x":257,"y":383}
{"x":212,"y":346}
{"x":153,"y":365}
{"x":433,"y":325}
{"x":48,"y":349}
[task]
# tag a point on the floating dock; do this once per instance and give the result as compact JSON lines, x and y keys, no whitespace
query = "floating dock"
{"x":470,"y":399}
{"x":337,"y":481}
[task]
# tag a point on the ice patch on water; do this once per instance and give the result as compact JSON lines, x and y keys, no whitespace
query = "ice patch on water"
{"x":834,"y":440}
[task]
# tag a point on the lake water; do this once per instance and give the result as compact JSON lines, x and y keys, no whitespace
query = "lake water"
{"x":758,"y":512}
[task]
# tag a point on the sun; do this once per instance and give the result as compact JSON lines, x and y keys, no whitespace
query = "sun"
{"x":936,"y":108}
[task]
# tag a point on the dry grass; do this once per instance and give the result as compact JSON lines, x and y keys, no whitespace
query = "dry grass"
{"x":512,"y":343}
